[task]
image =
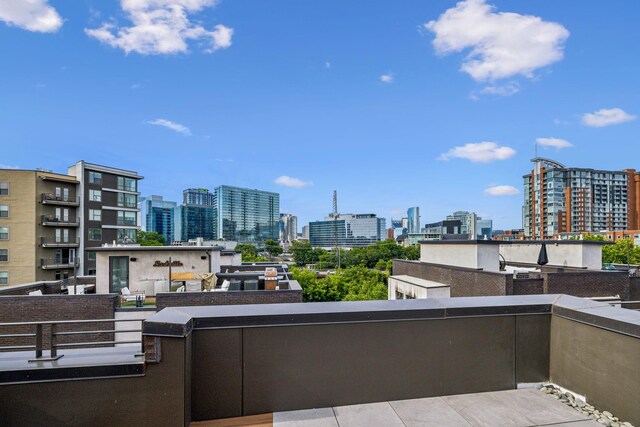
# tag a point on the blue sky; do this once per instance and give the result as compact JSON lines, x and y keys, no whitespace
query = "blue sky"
{"x":299,"y":97}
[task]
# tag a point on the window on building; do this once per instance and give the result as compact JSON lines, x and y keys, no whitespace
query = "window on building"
{"x":95,"y":178}
{"x":127,"y":218}
{"x":4,"y":211}
{"x":4,"y":255}
{"x":91,"y":272}
{"x":95,"y":215}
{"x":4,"y":277}
{"x":95,"y":195}
{"x":91,"y":255}
{"x":4,"y":188}
{"x":126,"y":236}
{"x":126,"y":184}
{"x":58,"y":276}
{"x":127,"y":200}
{"x":95,"y":234}
{"x":4,"y":233}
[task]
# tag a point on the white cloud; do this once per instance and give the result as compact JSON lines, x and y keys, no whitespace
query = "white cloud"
{"x":136,"y":86}
{"x":177,"y":127}
{"x":162,"y":27}
{"x":327,"y":65}
{"x":397,"y":212}
{"x":9,"y":167}
{"x":32,"y":15}
{"x":554,"y":142}
{"x":502,"y":190}
{"x":481,"y":152}
{"x":387,"y":78}
{"x":501,"y":44}
{"x":505,"y":90}
{"x":606,"y":117}
{"x":289,"y":181}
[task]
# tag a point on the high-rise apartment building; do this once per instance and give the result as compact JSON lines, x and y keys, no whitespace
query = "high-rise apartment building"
{"x":350,"y":231}
{"x":39,"y":226}
{"x":108,"y":208}
{"x":198,"y":196}
{"x":158,"y":217}
{"x":413,"y":216}
{"x":559,"y":199}
{"x":305,"y":232}
{"x":246,"y":216}
{"x":288,"y":228}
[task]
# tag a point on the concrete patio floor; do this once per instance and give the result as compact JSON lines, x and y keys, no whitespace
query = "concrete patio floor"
{"x":517,"y":408}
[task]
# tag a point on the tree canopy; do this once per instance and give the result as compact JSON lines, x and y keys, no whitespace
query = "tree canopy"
{"x":150,"y":238}
{"x":350,"y":284}
{"x":249,"y":253}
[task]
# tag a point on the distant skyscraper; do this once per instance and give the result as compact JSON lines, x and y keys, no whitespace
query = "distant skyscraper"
{"x":354,"y":230}
{"x":193,"y":221}
{"x":247,"y":216}
{"x":469,"y":223}
{"x":159,"y":217}
{"x":305,"y":232}
{"x":198,"y":196}
{"x":413,"y":216}
{"x":288,"y":228}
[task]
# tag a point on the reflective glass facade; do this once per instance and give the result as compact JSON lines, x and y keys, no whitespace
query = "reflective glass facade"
{"x":247,"y":216}
{"x":352,"y":231}
{"x":191,"y":222}
{"x":413,"y":216}
{"x":159,"y":217}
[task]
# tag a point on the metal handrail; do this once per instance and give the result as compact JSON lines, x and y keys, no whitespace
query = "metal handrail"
{"x":38,"y":346}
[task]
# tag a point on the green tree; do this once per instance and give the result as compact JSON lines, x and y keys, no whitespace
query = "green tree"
{"x":249,"y":253}
{"x":150,"y":238}
{"x":304,"y":254}
{"x":622,"y":252}
{"x":272,"y":247}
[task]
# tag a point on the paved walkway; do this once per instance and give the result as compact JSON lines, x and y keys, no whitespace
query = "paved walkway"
{"x":516,"y":408}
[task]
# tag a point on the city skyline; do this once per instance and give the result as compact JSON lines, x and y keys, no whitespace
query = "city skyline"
{"x":387,"y":108}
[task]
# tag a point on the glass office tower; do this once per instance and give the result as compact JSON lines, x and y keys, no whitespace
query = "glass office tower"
{"x":350,"y":230}
{"x":159,"y":217}
{"x":246,"y":216}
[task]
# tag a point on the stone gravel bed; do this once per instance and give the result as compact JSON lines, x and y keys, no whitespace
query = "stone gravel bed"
{"x":605,"y":418}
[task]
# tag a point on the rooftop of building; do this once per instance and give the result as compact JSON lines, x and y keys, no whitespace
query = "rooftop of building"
{"x":107,"y":169}
{"x":131,"y":248}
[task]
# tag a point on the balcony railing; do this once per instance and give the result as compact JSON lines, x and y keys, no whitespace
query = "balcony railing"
{"x":50,"y":263}
{"x":60,"y":222}
{"x":52,"y":242}
{"x":54,"y":336}
{"x":52,"y":199}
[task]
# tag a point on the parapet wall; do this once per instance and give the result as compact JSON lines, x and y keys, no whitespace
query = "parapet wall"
{"x":462,"y":281}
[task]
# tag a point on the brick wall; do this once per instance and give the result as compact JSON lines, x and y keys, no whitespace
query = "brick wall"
{"x":463,"y":282}
{"x":634,"y":288}
{"x":183,"y":299}
{"x":528,"y":286}
{"x":56,"y":307}
{"x":588,"y":284}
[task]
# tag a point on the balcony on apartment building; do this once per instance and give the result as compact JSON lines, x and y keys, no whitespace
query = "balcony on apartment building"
{"x":54,"y":221}
{"x":58,"y":263}
{"x":52,"y":199}
{"x":389,"y":358}
{"x":53,"y":242}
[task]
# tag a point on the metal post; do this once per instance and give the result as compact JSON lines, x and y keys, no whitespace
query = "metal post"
{"x":54,"y":350}
{"x":169,"y":273}
{"x":38,"y":341}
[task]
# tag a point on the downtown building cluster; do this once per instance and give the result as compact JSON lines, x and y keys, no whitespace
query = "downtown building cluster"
{"x":228,"y":213}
